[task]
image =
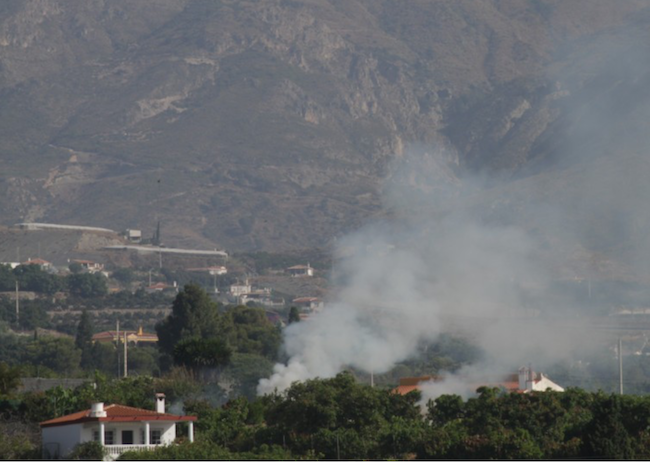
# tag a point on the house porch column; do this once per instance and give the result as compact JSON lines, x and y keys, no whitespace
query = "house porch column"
{"x":102,"y":430}
{"x":147,"y":434}
{"x":190,"y":431}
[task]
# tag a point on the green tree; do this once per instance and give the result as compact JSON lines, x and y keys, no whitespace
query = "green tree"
{"x":194,"y":315}
{"x":294,"y":315}
{"x":607,"y":436}
{"x":123,"y":275}
{"x":252,"y":333}
{"x":84,"y":340}
{"x":58,"y":354}
{"x":32,"y":278}
{"x":197,"y":353}
{"x":244,"y":372}
{"x":87,"y":451}
{"x":7,"y":279}
{"x":87,"y":285}
{"x":32,"y":315}
{"x":9,"y":378}
{"x":103,"y":358}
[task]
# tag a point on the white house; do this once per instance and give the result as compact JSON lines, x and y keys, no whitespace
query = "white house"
{"x":531,"y":381}
{"x":300,"y":271}
{"x":118,"y":428}
{"x":89,"y":266}
{"x":42,"y":263}
{"x":237,"y":290}
{"x":133,"y":235}
{"x":308,"y":304}
{"x":212,"y":270}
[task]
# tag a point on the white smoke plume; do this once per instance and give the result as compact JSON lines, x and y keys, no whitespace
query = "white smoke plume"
{"x":402,"y":282}
{"x":510,"y":263}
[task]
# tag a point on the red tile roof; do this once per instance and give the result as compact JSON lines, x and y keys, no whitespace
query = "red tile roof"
{"x":131,"y":336}
{"x":305,"y":300}
{"x":408,"y":384}
{"x":116,"y":413}
{"x":37,"y":261}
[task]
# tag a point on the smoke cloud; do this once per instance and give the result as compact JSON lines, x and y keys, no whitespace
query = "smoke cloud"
{"x":493,"y":260}
{"x":405,"y":281}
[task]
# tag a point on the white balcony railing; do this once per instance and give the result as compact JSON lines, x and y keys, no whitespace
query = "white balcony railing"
{"x":115,"y":450}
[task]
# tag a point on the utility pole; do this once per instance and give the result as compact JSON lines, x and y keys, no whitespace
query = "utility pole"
{"x":620,"y":365}
{"x":338,"y":449}
{"x":17,"y":303}
{"x":126,"y":344}
{"x":117,"y":349}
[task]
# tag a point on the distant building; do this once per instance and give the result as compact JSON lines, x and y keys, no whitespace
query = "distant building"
{"x":300,"y":271}
{"x":42,"y":263}
{"x":161,"y":287}
{"x":214,"y":270}
{"x":308,"y":304}
{"x":261,"y":297}
{"x":12,"y":265}
{"x":237,"y":290}
{"x":131,"y":337}
{"x":89,"y":266}
{"x":134,"y":235}
{"x":524,"y":381}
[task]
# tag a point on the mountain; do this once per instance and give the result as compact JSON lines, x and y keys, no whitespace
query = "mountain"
{"x":276,"y":124}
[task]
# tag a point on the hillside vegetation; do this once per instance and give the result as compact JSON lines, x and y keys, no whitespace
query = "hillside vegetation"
{"x":274,"y":124}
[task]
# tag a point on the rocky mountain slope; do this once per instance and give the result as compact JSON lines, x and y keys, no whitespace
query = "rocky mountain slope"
{"x":274,"y":124}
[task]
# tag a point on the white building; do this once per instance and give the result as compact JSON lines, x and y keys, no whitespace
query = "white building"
{"x":116,"y":427}
{"x":237,"y":290}
{"x":134,"y":235}
{"x":531,"y":381}
{"x":89,"y":266}
{"x":212,"y":270}
{"x":300,"y":271}
{"x":308,"y":304}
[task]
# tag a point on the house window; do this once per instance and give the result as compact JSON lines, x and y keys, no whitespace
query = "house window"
{"x":108,"y":436}
{"x":127,"y":437}
{"x":156,"y":435}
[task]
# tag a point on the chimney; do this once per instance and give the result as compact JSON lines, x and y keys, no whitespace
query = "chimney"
{"x":523,"y":378}
{"x":530,"y":383}
{"x":97,"y":410}
{"x":160,"y":402}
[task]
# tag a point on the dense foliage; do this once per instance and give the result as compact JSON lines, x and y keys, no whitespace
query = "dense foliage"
{"x":211,"y":358}
{"x":340,"y":418}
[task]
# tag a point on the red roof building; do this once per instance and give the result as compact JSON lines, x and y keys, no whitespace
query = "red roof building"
{"x":524,"y":381}
{"x":131,"y":337}
{"x":118,"y":428}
